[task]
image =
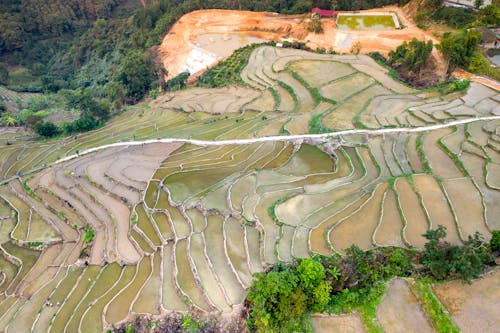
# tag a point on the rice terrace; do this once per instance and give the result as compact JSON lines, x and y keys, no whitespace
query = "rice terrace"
{"x":182,"y":211}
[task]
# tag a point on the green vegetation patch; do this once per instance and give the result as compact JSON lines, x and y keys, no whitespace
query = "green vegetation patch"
{"x":362,"y":22}
{"x":282,"y":299}
{"x":227,"y":72}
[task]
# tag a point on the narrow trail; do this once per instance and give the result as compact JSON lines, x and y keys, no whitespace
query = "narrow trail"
{"x":279,"y":137}
{"x":324,"y":136}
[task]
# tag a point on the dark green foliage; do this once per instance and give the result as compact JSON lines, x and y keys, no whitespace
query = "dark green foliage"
{"x":495,"y":241}
{"x":458,"y":18}
{"x":178,"y":82}
{"x":136,"y":74}
{"x":412,"y":56}
{"x":82,"y":100}
{"x":442,"y":260}
{"x":278,"y":303}
{"x":315,"y":26}
{"x":48,"y":129}
{"x":227,"y":72}
{"x":378,"y":57}
{"x":456,"y":85}
{"x":2,"y":107}
{"x":366,"y":4}
{"x":490,"y":15}
{"x":458,"y":48}
{"x":281,"y":299}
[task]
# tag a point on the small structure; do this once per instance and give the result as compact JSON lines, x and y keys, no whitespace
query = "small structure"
{"x":323,"y":12}
{"x":489,"y":39}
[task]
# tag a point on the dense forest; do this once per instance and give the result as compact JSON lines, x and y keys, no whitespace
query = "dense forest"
{"x":80,"y":43}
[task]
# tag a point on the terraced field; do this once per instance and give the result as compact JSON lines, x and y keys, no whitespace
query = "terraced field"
{"x":181,"y":226}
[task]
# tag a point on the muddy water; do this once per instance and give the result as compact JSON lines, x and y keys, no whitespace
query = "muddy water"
{"x":148,"y":300}
{"x":80,"y":289}
{"x":163,"y":224}
{"x":109,"y":276}
{"x":144,"y":223}
{"x":390,"y":228}
{"x":171,"y":299}
{"x":119,"y":308}
{"x":92,"y":321}
{"x":185,"y":277}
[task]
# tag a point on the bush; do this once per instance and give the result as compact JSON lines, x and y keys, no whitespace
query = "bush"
{"x":412,"y":56}
{"x":278,"y":304}
{"x":495,"y":241}
{"x":458,"y":18}
{"x":48,"y":129}
{"x":445,"y":261}
{"x":378,"y":57}
{"x":178,"y":82}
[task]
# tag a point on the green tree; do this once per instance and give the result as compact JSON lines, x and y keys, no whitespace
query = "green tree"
{"x":443,"y":260}
{"x":48,"y":129}
{"x":458,"y":48}
{"x":136,"y":74}
{"x":312,"y":280}
{"x":278,"y":304}
{"x":412,"y":55}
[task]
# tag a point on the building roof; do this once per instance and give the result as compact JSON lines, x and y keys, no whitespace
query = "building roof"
{"x":323,"y":12}
{"x":488,"y":35}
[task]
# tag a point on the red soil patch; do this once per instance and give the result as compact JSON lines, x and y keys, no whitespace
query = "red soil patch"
{"x":182,"y":38}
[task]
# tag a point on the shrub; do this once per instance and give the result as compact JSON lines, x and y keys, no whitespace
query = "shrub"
{"x":278,"y":304}
{"x":178,"y":82}
{"x":458,"y":18}
{"x":89,"y":234}
{"x":48,"y":129}
{"x":495,"y":241}
{"x":444,"y":261}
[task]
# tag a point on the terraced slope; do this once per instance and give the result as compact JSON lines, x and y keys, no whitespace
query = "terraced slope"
{"x":180,"y":226}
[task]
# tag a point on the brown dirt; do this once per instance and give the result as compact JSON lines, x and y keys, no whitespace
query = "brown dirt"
{"x":350,"y":323}
{"x":181,"y":40}
{"x":400,"y":311}
{"x":474,"y":307}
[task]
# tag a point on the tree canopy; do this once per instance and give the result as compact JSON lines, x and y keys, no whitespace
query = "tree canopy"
{"x":412,"y":55}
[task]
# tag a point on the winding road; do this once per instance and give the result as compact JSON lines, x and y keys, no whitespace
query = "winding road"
{"x":324,"y":136}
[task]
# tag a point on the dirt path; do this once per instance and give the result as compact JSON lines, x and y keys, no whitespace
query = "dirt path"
{"x":202,"y":38}
{"x":460,"y":73}
{"x":297,"y":137}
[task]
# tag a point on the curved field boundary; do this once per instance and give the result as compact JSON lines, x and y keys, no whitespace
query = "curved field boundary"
{"x":276,"y":138}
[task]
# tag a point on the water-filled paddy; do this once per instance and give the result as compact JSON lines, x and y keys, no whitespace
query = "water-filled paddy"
{"x":366,"y":22}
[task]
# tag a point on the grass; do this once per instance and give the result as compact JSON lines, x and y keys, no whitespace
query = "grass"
{"x":421,"y":153}
{"x":276,"y":97}
{"x":315,"y":126}
{"x":435,"y":311}
{"x":228,"y":72}
{"x":271,"y":210}
{"x":364,"y":302}
{"x":29,"y":190}
{"x":89,"y":235}
{"x":292,"y":93}
{"x":315,"y":94}
{"x":454,"y":156}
